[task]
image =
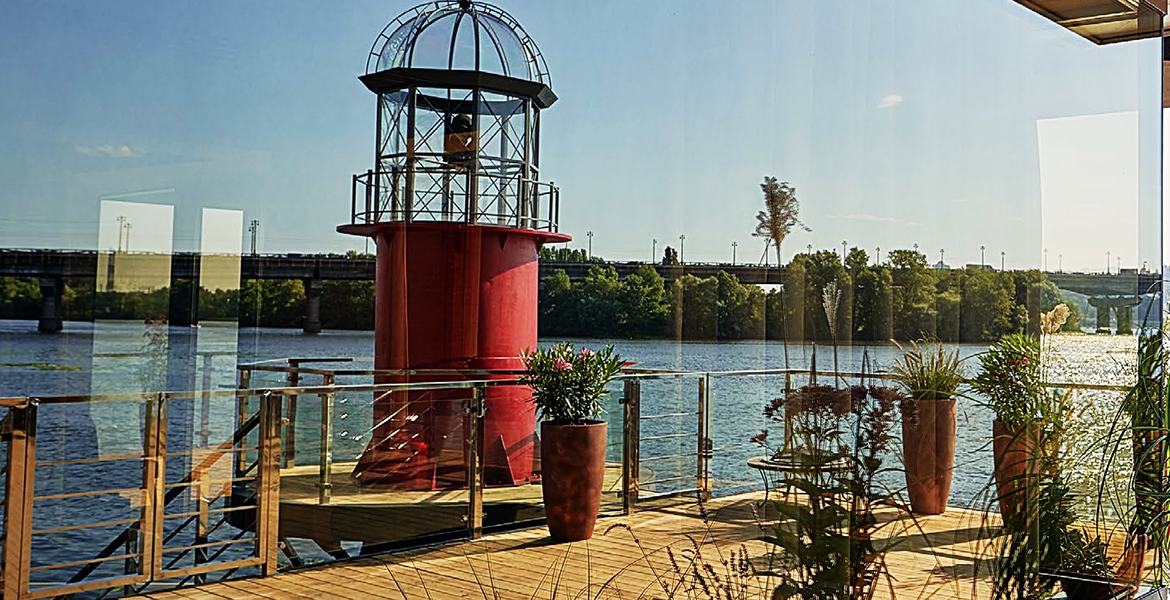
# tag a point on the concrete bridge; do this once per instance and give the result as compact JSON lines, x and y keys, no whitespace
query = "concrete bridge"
{"x":1116,"y":292}
{"x":52,"y":267}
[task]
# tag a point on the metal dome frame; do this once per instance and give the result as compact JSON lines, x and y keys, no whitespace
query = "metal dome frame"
{"x":437,"y":9}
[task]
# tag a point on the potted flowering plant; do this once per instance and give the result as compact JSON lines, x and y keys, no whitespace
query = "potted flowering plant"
{"x":1011,"y":382}
{"x":567,"y":387}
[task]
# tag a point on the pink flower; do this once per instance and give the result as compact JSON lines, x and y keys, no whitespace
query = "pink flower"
{"x":562,"y":365}
{"x":587,"y":352}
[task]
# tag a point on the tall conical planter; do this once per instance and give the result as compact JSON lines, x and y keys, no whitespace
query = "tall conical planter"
{"x":1014,"y":451}
{"x":572,"y":473}
{"x":928,"y":445}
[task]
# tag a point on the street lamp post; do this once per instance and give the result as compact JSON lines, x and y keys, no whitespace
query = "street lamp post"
{"x":942,"y":256}
{"x":1002,"y":255}
{"x":982,"y":262}
{"x":653,"y":250}
{"x":844,"y":243}
{"x":1107,"y":254}
{"x":1118,"y":265}
{"x":733,"y":246}
{"x":121,"y":228}
{"x":1060,"y":263}
{"x":682,"y":238}
{"x":589,"y":234}
{"x":879,"y":256}
{"x":807,"y":247}
{"x":1046,"y":260}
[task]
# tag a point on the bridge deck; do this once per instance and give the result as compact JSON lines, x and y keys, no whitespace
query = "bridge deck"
{"x":937,"y":562}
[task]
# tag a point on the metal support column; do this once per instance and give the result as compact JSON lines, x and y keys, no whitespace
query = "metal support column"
{"x":242,"y":414}
{"x":475,"y":412}
{"x":290,"y":427}
{"x":202,"y":489}
{"x":631,"y":434}
{"x":325,"y":471}
{"x":705,"y":449}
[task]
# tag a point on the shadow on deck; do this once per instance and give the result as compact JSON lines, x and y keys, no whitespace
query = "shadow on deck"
{"x":642,"y":555}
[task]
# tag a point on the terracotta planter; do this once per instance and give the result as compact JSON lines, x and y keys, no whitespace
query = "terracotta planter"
{"x":928,"y":445}
{"x":572,"y":473}
{"x":1016,"y":469}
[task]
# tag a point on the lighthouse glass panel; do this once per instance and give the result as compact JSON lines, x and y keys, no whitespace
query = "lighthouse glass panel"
{"x":242,"y":243}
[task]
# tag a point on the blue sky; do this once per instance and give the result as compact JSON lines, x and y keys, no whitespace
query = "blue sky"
{"x":898,"y":122}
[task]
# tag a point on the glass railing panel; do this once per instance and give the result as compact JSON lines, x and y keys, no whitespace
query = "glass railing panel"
{"x":614,"y":416}
{"x":737,"y":428}
{"x":670,"y":429}
{"x":88,"y":491}
{"x":393,"y":473}
{"x":209,"y":521}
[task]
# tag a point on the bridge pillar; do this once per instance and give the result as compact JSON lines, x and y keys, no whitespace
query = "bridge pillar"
{"x":1102,"y":317}
{"x":52,"y":310}
{"x":1124,"y":320}
{"x":312,"y":324}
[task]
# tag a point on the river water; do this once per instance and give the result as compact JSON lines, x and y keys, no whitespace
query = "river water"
{"x":124,"y":357}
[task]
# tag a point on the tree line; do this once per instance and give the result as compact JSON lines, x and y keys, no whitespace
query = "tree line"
{"x":900,"y":299}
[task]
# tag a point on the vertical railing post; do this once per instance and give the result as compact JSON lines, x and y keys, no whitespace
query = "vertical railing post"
{"x":325,"y":473}
{"x":631,"y":416}
{"x":133,"y":564}
{"x":205,"y":403}
{"x":154,"y":475}
{"x":475,"y":411}
{"x":202,"y":489}
{"x":268,"y":484}
{"x":705,"y":449}
{"x":290,"y":428}
{"x":245,"y":382}
{"x":18,"y":505}
{"x":787,"y":443}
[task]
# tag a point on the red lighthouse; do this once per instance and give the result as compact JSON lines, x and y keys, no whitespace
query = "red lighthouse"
{"x":457,"y":210}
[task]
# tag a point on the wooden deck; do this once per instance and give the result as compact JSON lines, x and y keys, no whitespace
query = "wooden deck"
{"x":399,"y":515}
{"x":628,"y":557}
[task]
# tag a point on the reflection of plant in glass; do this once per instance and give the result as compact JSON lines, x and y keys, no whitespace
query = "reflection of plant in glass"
{"x":824,"y":546}
{"x":152,"y":371}
{"x":783,"y":208}
{"x":927,"y":372}
{"x":1010,"y":379}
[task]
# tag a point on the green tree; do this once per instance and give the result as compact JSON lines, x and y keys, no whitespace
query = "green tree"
{"x":855,"y":261}
{"x":740,"y":309}
{"x":347,"y":305}
{"x":822,"y":268}
{"x":646,"y":309}
{"x":873,"y":310}
{"x":915,"y":313}
{"x":600,"y":309}
{"x":986,"y":310}
{"x":694,"y":306}
{"x":557,"y":305}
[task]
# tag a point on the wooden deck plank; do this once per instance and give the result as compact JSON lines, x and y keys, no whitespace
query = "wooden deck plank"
{"x":936,"y":560}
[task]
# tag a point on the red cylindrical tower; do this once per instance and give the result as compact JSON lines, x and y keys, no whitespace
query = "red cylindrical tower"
{"x":458,"y":212}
